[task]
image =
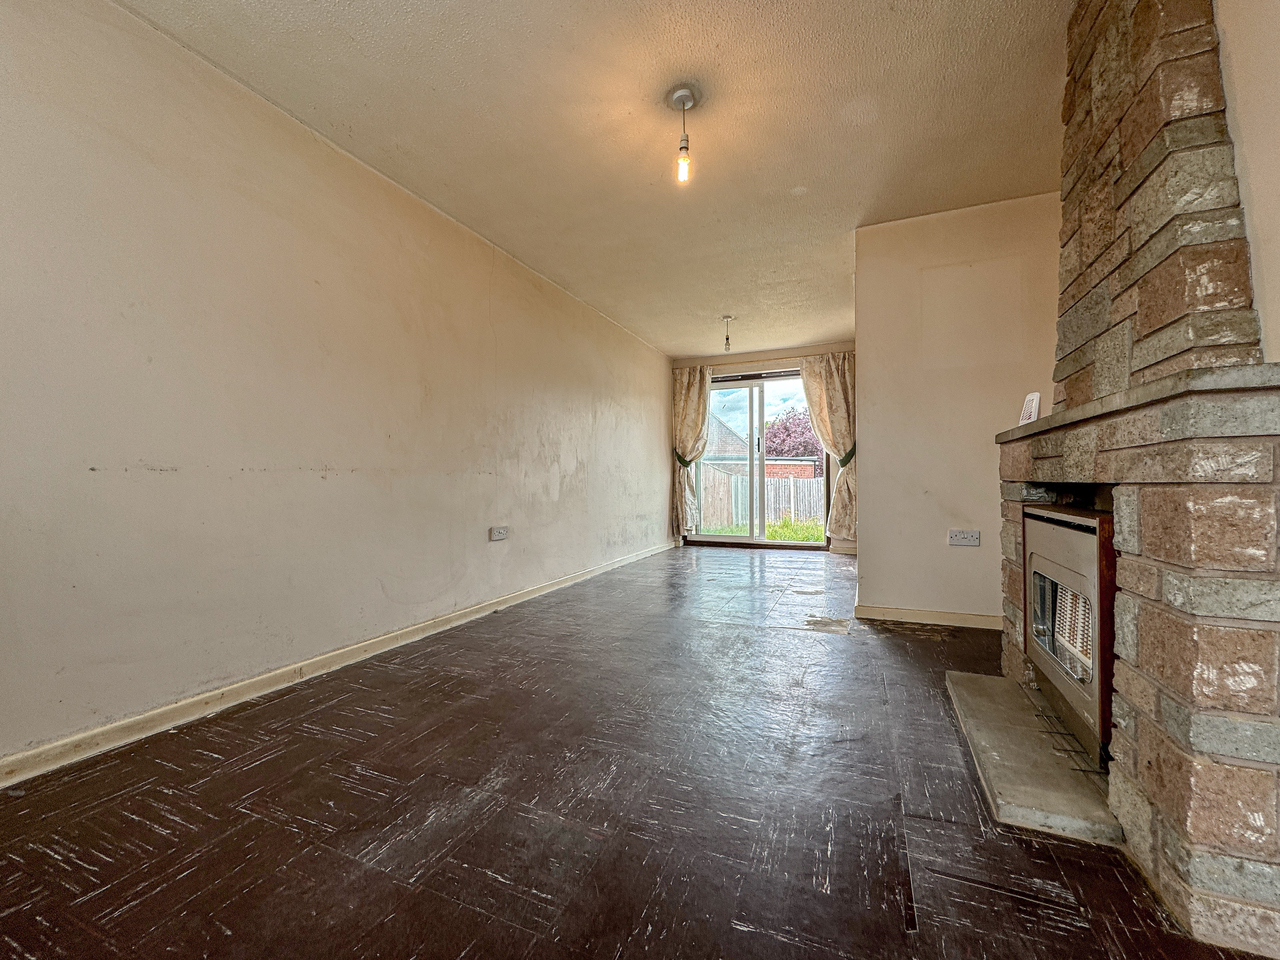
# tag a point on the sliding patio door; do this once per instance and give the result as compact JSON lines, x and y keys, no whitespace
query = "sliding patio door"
{"x":763,"y":475}
{"x":726,"y":475}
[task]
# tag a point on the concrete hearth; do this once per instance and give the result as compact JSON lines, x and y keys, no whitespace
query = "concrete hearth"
{"x":1031,"y":776}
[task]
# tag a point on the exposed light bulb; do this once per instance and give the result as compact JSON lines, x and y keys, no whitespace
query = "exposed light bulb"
{"x":682,"y":163}
{"x":726,"y":320}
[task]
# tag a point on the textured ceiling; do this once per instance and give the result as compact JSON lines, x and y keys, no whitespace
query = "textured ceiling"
{"x":541,"y":125}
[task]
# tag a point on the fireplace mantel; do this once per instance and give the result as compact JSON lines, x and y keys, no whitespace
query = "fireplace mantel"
{"x":1260,"y":376}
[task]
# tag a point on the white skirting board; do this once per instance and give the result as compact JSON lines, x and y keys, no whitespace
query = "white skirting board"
{"x":847,"y":547}
{"x":48,"y":756}
{"x":863,"y":612}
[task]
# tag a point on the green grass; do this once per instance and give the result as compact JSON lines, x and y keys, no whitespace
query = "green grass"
{"x":737,"y":530}
{"x":796,"y":531}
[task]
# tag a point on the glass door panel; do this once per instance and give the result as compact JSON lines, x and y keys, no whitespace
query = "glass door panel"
{"x":792,"y":484}
{"x":726,"y":475}
{"x":762,"y":477}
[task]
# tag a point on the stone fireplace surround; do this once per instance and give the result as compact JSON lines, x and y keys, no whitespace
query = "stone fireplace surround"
{"x":1165,"y":413}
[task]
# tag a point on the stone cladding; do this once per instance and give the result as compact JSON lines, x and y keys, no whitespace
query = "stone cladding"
{"x":1165,"y":411}
{"x":1154,"y":266}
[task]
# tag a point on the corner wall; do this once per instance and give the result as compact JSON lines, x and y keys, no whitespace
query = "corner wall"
{"x":1249,"y":36}
{"x":955,"y":317}
{"x":258,"y":403}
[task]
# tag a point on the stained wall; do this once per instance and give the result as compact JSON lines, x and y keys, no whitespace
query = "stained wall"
{"x":257,"y":402}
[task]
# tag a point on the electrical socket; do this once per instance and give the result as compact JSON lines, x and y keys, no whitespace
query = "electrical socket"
{"x":964,"y":538}
{"x":497,"y":533}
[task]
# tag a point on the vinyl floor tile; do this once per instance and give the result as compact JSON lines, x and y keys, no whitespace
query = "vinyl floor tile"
{"x":698,"y":755}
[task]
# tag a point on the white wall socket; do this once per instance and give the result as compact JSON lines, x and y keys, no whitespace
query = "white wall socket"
{"x":497,"y":533}
{"x":963,"y":538}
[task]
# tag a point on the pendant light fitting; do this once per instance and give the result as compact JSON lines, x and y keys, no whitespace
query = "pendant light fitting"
{"x":726,"y":318}
{"x":684,"y":99}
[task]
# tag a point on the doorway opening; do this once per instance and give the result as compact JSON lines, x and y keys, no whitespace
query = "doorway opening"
{"x":764,"y":478}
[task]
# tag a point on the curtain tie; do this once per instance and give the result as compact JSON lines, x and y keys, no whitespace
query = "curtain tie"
{"x":683,"y":462}
{"x":844,"y":461}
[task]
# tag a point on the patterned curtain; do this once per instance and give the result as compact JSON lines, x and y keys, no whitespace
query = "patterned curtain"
{"x":828,"y":386}
{"x":691,"y":399}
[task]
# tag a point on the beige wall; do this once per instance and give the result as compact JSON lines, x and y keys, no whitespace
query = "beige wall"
{"x":256,"y":402}
{"x":1249,"y":31}
{"x":956,"y":318}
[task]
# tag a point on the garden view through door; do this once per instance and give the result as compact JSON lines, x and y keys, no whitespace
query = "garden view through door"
{"x":762,"y":476}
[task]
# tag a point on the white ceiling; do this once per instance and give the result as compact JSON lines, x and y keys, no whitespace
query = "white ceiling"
{"x":541,"y":125}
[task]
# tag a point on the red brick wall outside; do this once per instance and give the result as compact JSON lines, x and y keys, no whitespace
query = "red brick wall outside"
{"x":804,"y":470}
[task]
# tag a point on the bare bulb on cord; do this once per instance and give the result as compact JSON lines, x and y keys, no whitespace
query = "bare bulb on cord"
{"x":682,"y":99}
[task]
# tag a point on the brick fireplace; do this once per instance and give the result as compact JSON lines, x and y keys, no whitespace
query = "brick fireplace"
{"x":1165,"y":414}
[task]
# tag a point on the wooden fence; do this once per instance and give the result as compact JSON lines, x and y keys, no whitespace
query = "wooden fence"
{"x":726,"y":499}
{"x":799,"y":498}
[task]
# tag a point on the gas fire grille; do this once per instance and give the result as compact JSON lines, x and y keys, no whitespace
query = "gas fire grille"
{"x":1062,"y":624}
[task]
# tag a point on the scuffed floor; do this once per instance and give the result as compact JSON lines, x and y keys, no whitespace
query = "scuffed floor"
{"x":685,"y":757}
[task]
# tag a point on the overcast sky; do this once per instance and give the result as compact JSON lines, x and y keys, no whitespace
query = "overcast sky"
{"x":779,"y":396}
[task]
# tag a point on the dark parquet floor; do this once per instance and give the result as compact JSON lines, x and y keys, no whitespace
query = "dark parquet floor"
{"x":690,"y":756}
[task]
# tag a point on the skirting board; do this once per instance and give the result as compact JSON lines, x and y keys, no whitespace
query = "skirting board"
{"x":863,"y":612}
{"x":847,"y":547}
{"x":48,"y":756}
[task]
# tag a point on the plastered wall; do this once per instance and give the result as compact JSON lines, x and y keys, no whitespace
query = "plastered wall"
{"x":956,"y":324}
{"x":1249,"y":38}
{"x":258,"y":403}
